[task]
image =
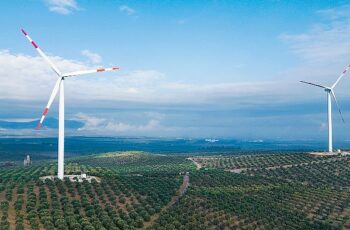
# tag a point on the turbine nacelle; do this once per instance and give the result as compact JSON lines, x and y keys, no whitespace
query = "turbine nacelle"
{"x":330,"y":91}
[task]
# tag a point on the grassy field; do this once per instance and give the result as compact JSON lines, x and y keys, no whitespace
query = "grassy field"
{"x":141,"y":190}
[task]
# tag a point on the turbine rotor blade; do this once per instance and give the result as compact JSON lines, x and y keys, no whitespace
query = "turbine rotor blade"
{"x":42,"y":54}
{"x":52,"y":97}
{"x":336,"y":102}
{"x":309,"y":83}
{"x":76,"y":73}
{"x":341,"y":76}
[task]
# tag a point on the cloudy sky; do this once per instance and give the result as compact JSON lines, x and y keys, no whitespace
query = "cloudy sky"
{"x":187,"y":68}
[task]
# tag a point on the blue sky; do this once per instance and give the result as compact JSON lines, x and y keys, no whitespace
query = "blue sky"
{"x":188,"y":68}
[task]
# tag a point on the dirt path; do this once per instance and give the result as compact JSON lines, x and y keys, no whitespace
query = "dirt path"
{"x":11,"y":213}
{"x":198,"y":165}
{"x":180,"y":192}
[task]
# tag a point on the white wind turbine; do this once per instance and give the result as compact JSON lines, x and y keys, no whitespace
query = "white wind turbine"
{"x":330,"y":94}
{"x":60,"y":86}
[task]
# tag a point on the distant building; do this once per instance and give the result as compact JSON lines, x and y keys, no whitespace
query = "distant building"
{"x":27,"y":161}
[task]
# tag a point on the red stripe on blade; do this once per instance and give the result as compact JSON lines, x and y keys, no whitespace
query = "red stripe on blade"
{"x":35,"y":46}
{"x":24,"y":32}
{"x":100,"y":70}
{"x":45,"y":111}
{"x":38,"y":126}
{"x":114,"y":68}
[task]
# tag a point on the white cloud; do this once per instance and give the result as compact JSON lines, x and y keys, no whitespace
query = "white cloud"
{"x":20,"y":119}
{"x":30,"y":78}
{"x":62,"y":6}
{"x":112,"y":127}
{"x":89,"y":121}
{"x":336,"y":13}
{"x":328,"y":41}
{"x":324,"y":51}
{"x":126,"y":9}
{"x":93,"y":57}
{"x":123,"y":127}
{"x":25,"y":77}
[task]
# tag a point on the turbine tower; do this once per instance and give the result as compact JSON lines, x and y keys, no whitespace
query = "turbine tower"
{"x":330,"y":94}
{"x":60,"y":86}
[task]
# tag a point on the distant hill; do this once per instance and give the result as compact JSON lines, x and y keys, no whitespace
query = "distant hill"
{"x":49,"y":123}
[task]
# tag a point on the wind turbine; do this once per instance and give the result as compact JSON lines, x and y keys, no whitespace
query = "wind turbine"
{"x":330,"y":94}
{"x":59,"y":86}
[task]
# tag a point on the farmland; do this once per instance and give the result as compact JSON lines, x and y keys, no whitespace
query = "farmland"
{"x":125,"y":200}
{"x":138,"y":190}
